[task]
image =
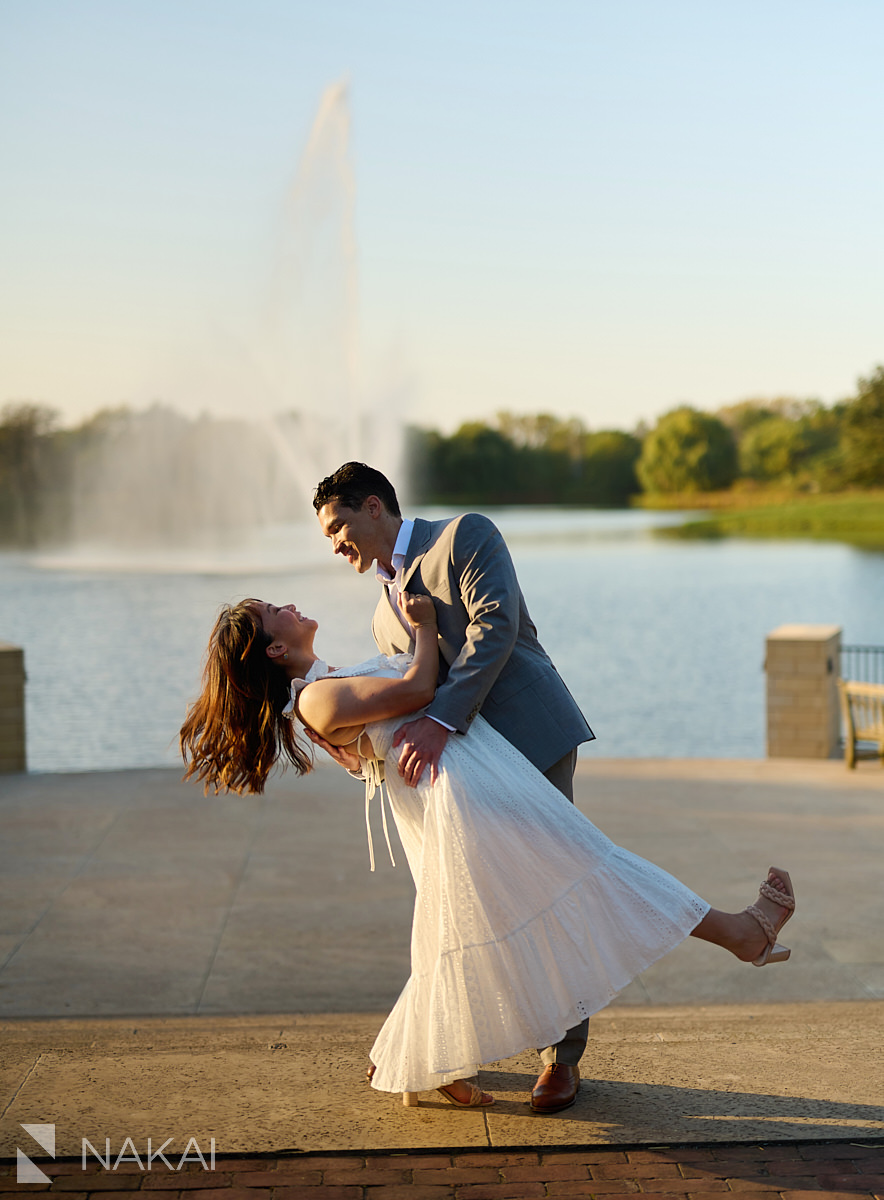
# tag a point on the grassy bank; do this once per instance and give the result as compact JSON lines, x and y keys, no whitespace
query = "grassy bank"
{"x":741,"y":495}
{"x":856,"y":518}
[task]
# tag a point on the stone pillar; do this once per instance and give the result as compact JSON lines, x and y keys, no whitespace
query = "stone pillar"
{"x":803,"y":716}
{"x":12,"y":708}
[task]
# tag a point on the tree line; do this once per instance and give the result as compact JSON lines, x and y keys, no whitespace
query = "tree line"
{"x":53,"y":479}
{"x":799,"y":445}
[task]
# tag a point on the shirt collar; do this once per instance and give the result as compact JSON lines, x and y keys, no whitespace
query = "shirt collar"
{"x":399,"y":552}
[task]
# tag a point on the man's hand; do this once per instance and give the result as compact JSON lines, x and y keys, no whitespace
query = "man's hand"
{"x":422,"y":743}
{"x":348,"y":759}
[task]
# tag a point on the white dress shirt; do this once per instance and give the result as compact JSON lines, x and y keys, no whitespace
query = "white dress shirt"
{"x":393,"y":585}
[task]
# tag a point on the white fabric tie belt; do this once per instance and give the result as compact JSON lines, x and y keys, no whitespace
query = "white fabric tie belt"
{"x":373,"y":782}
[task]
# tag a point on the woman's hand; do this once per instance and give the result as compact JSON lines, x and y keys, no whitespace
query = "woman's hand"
{"x":418,"y":610}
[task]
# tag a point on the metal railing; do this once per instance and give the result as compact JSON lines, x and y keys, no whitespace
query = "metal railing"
{"x":862,"y":664}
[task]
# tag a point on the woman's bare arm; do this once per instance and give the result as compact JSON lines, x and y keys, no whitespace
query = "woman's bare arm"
{"x":338,"y":709}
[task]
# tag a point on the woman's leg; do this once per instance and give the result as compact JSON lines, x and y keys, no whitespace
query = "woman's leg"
{"x":740,"y":932}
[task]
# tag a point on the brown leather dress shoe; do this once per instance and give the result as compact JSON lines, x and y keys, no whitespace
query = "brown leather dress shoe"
{"x":556,"y":1088}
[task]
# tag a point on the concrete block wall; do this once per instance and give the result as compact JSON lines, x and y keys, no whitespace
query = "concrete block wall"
{"x":12,"y":708}
{"x":803,"y":715}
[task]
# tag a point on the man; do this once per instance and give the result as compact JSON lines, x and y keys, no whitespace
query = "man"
{"x":490,"y":659}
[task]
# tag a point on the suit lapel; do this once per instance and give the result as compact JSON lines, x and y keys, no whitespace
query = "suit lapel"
{"x":389,"y":632}
{"x":417,"y":548}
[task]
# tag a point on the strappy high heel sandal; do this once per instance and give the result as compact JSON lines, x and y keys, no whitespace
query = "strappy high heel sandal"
{"x":773,"y":951}
{"x":476,"y":1100}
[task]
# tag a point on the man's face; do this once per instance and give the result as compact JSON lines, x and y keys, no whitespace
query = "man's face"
{"x":354,"y":533}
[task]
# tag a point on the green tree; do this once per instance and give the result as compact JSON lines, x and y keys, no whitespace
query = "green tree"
{"x":538,"y":459}
{"x":476,"y":464}
{"x":548,"y":454}
{"x":687,"y":451}
{"x":607,"y":469}
{"x":785,"y":439}
{"x":543,"y":431}
{"x":862,"y":434}
{"x":745,"y":415}
{"x":774,"y":448}
{"x":25,"y":469}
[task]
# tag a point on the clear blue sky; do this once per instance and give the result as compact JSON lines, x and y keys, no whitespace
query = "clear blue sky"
{"x":593,"y":208}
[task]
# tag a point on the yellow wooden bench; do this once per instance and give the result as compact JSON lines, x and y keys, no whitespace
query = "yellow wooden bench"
{"x":862,"y":716}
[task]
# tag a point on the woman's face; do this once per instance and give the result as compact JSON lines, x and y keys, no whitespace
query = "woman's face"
{"x":286,"y":625}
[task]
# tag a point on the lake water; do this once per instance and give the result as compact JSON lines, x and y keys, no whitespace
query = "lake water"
{"x":660,"y":641}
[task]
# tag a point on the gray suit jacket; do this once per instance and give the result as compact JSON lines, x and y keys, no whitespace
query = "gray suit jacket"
{"x":490,"y":658}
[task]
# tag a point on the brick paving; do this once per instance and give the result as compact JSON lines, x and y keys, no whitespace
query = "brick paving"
{"x":788,"y":1171}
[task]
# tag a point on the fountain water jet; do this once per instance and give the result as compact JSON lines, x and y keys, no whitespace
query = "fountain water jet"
{"x":159,"y":481}
{"x":313,"y":315}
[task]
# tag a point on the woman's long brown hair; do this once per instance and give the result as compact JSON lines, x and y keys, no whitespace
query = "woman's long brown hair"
{"x":235,"y":731}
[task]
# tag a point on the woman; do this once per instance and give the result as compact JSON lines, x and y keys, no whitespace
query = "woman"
{"x":527,"y":918}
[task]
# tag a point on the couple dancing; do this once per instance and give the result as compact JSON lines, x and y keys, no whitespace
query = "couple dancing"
{"x":527,"y":918}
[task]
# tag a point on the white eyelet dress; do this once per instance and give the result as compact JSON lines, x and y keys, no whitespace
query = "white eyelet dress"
{"x":527,"y":918}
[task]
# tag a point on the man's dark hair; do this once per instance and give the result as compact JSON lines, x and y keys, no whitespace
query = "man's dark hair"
{"x":352,"y":484}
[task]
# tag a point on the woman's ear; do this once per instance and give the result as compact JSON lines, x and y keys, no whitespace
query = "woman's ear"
{"x":277,"y":650}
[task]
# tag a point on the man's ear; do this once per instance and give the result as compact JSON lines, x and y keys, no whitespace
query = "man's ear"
{"x":374,"y":506}
{"x":276,"y":650}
